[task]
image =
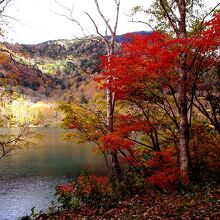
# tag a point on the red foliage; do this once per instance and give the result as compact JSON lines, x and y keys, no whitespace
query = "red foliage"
{"x":72,"y":126}
{"x":163,"y":159}
{"x":127,"y":124}
{"x":114,"y":141}
{"x":91,"y":183}
{"x":145,"y":67}
{"x":66,"y":188}
{"x":154,"y":59}
{"x":164,"y":170}
{"x":85,"y":185}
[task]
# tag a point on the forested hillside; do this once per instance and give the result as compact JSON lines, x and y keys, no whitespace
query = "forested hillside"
{"x":50,"y":69}
{"x":57,"y":68}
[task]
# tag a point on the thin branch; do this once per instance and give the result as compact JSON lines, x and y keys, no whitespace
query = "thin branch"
{"x":6,"y":4}
{"x":117,"y":15}
{"x":103,"y":17}
{"x":96,"y":27}
{"x":210,"y":12}
{"x":13,"y":60}
{"x":138,"y":142}
{"x":62,"y":6}
{"x":73,"y":20}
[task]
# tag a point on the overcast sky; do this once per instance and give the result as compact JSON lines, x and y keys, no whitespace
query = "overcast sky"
{"x":38,"y":20}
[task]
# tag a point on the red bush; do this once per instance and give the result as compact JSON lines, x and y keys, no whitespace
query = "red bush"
{"x":164,"y":171}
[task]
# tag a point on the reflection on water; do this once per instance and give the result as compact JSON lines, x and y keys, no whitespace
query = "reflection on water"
{"x":28,"y":179}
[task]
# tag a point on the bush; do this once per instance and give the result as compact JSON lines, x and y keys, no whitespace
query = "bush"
{"x":164,"y":172}
{"x":100,"y":191}
{"x":87,"y":189}
{"x":66,"y":197}
{"x":130,"y":183}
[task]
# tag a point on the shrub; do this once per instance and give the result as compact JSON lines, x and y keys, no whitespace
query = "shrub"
{"x":87,"y":189}
{"x":66,"y":196}
{"x":131,"y":183}
{"x":164,"y":172}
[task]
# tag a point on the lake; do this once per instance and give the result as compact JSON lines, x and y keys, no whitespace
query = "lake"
{"x":29,"y":178}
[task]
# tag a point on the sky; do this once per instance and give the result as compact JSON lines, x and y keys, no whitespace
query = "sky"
{"x":36,"y":21}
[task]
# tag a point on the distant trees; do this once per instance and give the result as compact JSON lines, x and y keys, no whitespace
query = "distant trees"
{"x":10,"y":143}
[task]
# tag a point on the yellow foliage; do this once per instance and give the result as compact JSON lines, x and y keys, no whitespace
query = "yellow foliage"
{"x":3,"y":58}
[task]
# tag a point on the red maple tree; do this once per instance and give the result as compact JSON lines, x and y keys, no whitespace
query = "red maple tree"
{"x":146,"y":70}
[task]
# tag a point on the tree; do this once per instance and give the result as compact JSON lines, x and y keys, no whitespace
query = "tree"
{"x":88,"y":121}
{"x":9,"y":143}
{"x":147,"y":69}
{"x":110,"y":46}
{"x":208,"y":91}
{"x":180,"y":17}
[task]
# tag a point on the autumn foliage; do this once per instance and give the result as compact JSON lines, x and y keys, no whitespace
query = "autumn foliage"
{"x":146,"y":63}
{"x":145,"y":74}
{"x":144,"y":77}
{"x":164,"y":170}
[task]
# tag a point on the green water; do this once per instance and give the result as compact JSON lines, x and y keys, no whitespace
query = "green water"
{"x":28,"y":179}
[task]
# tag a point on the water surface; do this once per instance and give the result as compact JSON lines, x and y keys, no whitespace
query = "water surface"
{"x":28,"y":179}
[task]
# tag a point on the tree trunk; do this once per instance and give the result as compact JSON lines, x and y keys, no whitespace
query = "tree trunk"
{"x":110,"y":46}
{"x":183,"y":123}
{"x":175,"y":13}
{"x":184,"y":129}
{"x":116,"y":170}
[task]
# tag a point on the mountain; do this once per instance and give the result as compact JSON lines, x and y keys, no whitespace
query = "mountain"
{"x":51,"y":69}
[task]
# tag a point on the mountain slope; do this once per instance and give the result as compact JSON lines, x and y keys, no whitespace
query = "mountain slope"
{"x":53,"y":68}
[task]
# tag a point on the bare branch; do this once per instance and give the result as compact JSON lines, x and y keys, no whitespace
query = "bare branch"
{"x":96,"y":26}
{"x":6,"y":4}
{"x":71,"y":18}
{"x":103,"y":17}
{"x":117,"y":15}
{"x":12,"y":143}
{"x":13,"y":59}
{"x":210,"y":12}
